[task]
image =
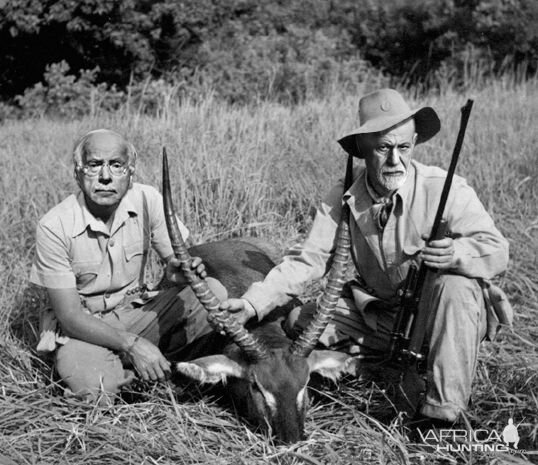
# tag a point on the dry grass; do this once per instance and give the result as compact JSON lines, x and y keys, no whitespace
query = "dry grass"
{"x":245,"y":171}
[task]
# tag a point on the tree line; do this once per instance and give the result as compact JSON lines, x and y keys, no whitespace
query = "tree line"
{"x":244,"y":49}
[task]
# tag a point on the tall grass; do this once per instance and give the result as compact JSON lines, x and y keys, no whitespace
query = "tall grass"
{"x":259,"y":171}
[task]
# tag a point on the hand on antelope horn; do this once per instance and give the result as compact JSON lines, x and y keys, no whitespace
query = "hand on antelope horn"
{"x":175,"y":275}
{"x":241,"y":309}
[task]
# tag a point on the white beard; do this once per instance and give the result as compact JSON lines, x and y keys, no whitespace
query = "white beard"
{"x":392,"y":183}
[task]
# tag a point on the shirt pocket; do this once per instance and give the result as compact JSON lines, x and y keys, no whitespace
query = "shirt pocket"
{"x":85,"y":273}
{"x":133,"y":259}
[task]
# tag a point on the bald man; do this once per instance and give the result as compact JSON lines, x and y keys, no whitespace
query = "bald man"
{"x":104,"y":326}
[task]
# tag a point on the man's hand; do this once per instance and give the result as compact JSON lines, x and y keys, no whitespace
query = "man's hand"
{"x":175,"y":275}
{"x":241,"y":309}
{"x":439,"y":254}
{"x":148,"y":360}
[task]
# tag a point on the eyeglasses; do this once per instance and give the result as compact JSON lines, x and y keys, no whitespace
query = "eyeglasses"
{"x":93,"y":168}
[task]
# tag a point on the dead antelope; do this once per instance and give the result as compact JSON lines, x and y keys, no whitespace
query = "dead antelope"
{"x":266,"y":373}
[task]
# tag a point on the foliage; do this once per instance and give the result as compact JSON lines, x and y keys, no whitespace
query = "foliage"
{"x":66,"y":95}
{"x":414,"y":39}
{"x":291,"y":66}
{"x":124,"y":39}
{"x":247,"y":50}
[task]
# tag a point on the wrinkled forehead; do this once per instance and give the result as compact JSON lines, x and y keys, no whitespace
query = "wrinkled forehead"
{"x":105,"y":144}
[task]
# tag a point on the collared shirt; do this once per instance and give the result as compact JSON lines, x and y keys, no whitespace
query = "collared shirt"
{"x":383,"y":258}
{"x":382,"y":205}
{"x":76,"y":250}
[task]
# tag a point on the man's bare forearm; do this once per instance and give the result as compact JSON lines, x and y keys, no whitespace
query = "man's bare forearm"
{"x":78,"y":324}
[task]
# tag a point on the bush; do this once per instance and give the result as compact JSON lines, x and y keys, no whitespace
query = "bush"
{"x":65,"y":95}
{"x":289,"y":67}
{"x":123,"y":39}
{"x":413,"y":40}
{"x":246,"y":49}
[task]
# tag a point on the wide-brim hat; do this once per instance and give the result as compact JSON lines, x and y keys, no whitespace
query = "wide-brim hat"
{"x":385,"y":108}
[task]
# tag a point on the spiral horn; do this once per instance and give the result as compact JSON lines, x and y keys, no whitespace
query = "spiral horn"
{"x":251,"y":347}
{"x":307,"y":340}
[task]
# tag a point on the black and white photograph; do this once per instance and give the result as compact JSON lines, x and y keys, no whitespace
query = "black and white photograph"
{"x":269,"y":232}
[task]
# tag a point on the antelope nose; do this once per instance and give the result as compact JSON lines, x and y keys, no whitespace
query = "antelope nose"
{"x":290,"y":437}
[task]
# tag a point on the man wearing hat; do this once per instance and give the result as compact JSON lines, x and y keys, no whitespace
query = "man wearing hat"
{"x":393,"y":200}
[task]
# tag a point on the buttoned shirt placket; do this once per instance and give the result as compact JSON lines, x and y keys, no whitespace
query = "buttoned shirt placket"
{"x":108,"y":241}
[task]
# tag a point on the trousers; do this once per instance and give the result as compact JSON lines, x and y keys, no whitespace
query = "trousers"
{"x":455,"y":330}
{"x":171,"y":320}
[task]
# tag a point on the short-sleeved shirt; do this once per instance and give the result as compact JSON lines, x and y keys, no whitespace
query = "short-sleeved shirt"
{"x":74,"y":249}
{"x":382,"y":258}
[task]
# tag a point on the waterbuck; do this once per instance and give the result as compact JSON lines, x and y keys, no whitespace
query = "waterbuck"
{"x":266,"y":372}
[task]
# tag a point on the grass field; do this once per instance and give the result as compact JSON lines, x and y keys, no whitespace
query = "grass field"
{"x":260,"y":171}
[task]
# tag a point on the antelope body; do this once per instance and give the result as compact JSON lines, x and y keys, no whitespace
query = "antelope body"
{"x":272,"y":391}
{"x":267,"y":373}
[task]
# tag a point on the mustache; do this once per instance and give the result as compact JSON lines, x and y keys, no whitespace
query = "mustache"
{"x":393,"y":169}
{"x":399,"y":172}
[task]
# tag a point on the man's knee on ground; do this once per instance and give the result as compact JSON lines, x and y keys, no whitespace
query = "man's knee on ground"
{"x":89,"y":370}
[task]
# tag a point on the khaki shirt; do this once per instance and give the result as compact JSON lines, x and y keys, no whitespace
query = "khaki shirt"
{"x":383,"y":258}
{"x":75,"y":250}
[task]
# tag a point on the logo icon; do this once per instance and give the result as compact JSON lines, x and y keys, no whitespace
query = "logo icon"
{"x":510,"y":434}
{"x":476,"y":440}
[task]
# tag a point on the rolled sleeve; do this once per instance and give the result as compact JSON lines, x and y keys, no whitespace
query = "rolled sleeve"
{"x":51,"y":266}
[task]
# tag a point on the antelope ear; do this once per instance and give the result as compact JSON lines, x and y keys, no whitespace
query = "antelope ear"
{"x":212,"y":369}
{"x":328,"y":363}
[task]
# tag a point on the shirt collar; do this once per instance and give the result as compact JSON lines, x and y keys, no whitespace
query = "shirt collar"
{"x":83,"y":218}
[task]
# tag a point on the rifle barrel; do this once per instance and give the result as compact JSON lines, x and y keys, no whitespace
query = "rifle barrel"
{"x":439,"y":230}
{"x":410,"y":327}
{"x":465,"y":113}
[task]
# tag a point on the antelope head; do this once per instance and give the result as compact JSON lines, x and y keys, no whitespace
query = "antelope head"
{"x":271,"y":392}
{"x":267,"y":373}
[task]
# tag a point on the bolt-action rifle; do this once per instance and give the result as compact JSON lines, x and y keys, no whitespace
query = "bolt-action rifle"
{"x":407,"y":337}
